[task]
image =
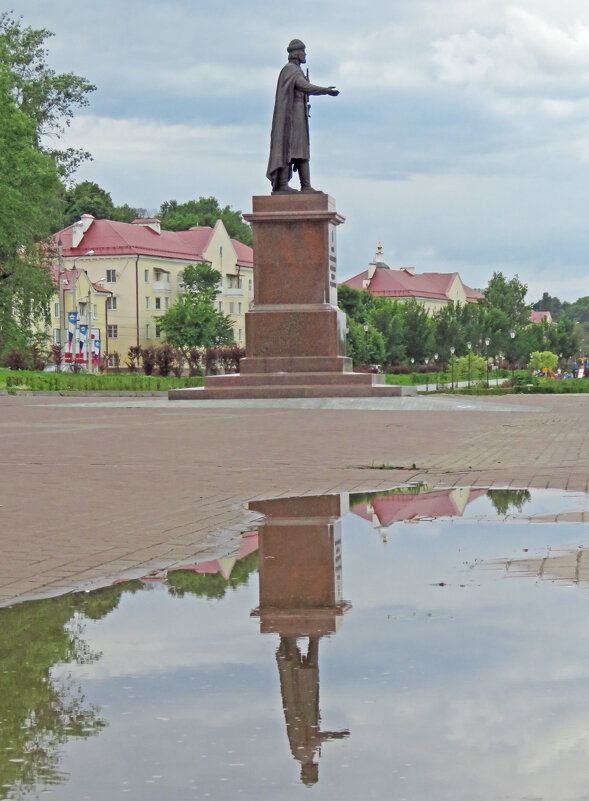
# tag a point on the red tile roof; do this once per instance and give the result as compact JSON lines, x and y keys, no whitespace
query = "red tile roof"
{"x":405,"y":283}
{"x":404,"y":506}
{"x":540,"y":316}
{"x":397,"y":284}
{"x":110,"y":238}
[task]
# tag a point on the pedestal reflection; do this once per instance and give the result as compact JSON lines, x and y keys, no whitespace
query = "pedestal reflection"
{"x":301,"y":600}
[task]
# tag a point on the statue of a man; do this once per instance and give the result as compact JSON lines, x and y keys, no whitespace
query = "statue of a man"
{"x":289,"y":141}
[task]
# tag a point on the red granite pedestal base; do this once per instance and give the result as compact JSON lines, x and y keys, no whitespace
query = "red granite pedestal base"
{"x":295,"y":332}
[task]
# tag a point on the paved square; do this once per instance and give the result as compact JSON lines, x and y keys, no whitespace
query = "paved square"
{"x":93,"y":490}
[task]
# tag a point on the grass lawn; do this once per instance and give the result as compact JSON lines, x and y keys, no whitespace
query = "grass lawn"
{"x":82,"y":381}
{"x":446,"y":378}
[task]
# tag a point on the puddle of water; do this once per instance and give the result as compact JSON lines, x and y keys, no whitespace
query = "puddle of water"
{"x":357,"y":646}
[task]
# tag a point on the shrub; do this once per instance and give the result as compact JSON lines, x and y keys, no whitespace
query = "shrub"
{"x":237,"y":354}
{"x":178,"y":363}
{"x":133,"y":357}
{"x":148,"y":358}
{"x":193,"y":357}
{"x":211,"y":361}
{"x":16,"y":359}
{"x":226,"y":359}
{"x":56,"y":354}
{"x":164,"y":357}
{"x":398,"y":369}
{"x":38,"y":358}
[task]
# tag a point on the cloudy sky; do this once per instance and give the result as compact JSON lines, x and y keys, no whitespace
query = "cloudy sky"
{"x":460,"y":139}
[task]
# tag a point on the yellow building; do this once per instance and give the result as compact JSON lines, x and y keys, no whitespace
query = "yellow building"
{"x":431,"y":290}
{"x":90,"y":302}
{"x":141,"y":265}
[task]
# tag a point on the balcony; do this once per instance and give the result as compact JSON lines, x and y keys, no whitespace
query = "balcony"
{"x":161,"y":286}
{"x":233,"y":292}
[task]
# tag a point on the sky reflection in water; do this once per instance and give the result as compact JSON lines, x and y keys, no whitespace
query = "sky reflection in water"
{"x":425,"y":667}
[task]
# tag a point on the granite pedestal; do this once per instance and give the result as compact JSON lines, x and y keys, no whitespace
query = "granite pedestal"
{"x":295,"y":332}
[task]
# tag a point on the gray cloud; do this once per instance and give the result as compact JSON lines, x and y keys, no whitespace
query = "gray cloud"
{"x":460,"y":137}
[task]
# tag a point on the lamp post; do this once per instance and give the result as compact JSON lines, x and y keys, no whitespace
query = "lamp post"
{"x":487,"y":341}
{"x":497,"y":368}
{"x":469,"y":346}
{"x":365,"y":327}
{"x":512,"y":335}
{"x":426,"y":360}
{"x":452,"y":350}
{"x":437,"y":374}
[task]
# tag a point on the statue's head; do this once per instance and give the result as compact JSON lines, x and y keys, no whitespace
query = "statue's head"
{"x":296,"y":51}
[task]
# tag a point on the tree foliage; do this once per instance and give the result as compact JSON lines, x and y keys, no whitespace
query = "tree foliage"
{"x":176,"y":216}
{"x":407,"y":331}
{"x":193,"y":321}
{"x":47,"y":98}
{"x":89,"y":198}
{"x":29,"y":186}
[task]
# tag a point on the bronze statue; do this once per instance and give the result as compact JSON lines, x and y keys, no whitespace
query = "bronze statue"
{"x":289,"y":140}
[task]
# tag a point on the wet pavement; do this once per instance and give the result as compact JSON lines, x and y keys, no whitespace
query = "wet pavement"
{"x":92,"y":491}
{"x":423,"y":642}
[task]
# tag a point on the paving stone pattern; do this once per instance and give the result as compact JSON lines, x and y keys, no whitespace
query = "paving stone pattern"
{"x":90,"y":492}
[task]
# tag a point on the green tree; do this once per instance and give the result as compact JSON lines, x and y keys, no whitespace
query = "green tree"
{"x":388,"y":318}
{"x":176,"y":216}
{"x":509,"y":296}
{"x":29,"y":204}
{"x":47,"y":98}
{"x":418,"y":331}
{"x":89,"y":198}
{"x":192,"y":321}
{"x":543,"y":360}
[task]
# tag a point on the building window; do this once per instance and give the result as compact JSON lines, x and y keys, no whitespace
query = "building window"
{"x":111,"y":304}
{"x":112,"y":331}
{"x":158,"y":303}
{"x":56,"y":309}
{"x":240,"y":335}
{"x":56,"y":336}
{"x":249,"y":285}
{"x":147,"y":331}
{"x":111,"y":276}
{"x":230,"y":281}
{"x":158,"y":331}
{"x":239,"y":283}
{"x":220,"y":305}
{"x":232,"y":308}
{"x":239,"y":308}
{"x":146,"y":274}
{"x":94,"y":311}
{"x":167,"y":302}
{"x":147,"y":303}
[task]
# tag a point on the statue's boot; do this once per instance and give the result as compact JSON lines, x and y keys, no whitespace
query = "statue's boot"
{"x":305,"y":176}
{"x":282,"y":187}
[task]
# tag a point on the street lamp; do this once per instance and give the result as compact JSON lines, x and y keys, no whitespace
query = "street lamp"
{"x":469,"y":346}
{"x":452,"y":349}
{"x":437,"y":373}
{"x":426,"y":360}
{"x":497,"y":368}
{"x":487,"y":341}
{"x":365,"y":327}
{"x":512,"y":335}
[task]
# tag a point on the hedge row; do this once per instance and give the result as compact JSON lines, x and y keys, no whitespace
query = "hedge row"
{"x":123,"y":382}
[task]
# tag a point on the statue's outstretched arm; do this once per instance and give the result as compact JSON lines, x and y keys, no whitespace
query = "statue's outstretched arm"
{"x":312,"y":89}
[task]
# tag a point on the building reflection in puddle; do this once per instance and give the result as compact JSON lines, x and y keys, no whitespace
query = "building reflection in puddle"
{"x":300,"y":567}
{"x":170,"y":667}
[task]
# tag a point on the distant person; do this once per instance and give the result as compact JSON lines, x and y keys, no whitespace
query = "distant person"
{"x":289,"y":140}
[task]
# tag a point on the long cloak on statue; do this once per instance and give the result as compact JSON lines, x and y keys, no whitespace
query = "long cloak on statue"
{"x":289,"y":139}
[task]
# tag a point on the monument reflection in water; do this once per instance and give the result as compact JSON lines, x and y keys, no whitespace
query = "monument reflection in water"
{"x":300,"y":565}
